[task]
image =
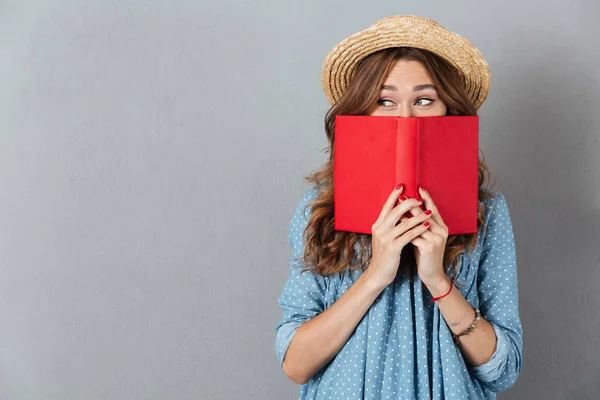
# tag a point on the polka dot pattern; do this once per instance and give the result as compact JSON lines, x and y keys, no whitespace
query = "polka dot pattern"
{"x":402,"y":348}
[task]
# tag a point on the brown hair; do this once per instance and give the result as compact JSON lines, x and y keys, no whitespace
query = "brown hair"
{"x":328,"y":251}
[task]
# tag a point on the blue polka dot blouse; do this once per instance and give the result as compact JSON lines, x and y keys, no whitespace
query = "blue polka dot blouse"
{"x":402,"y":348}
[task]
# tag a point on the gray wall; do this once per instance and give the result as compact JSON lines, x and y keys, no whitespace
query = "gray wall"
{"x":152,"y":154}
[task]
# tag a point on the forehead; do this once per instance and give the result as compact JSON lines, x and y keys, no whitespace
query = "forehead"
{"x":408,"y":72}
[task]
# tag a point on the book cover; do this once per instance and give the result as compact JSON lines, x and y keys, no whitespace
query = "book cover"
{"x":372,"y":154}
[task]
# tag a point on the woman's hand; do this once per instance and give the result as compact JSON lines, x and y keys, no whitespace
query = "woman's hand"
{"x":389,"y":237}
{"x":431,"y":244}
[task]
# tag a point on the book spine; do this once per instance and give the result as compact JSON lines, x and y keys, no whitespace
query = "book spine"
{"x":417,"y":158}
{"x":406,"y":155}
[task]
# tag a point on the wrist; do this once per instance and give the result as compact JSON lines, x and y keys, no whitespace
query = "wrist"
{"x":439,"y":286}
{"x":376,"y":280}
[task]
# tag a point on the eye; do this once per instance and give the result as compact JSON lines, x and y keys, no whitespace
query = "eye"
{"x":385,"y":102}
{"x":424,"y":99}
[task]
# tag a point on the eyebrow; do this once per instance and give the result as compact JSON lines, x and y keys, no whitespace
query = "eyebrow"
{"x":415,"y":89}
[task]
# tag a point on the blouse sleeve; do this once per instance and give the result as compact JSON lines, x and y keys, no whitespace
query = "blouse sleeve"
{"x":498,"y":298}
{"x":302,"y":297}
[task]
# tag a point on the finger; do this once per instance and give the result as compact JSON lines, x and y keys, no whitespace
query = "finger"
{"x":413,"y":233}
{"x":396,"y":214}
{"x":409,"y":223}
{"x":419,"y":241}
{"x":427,"y":240}
{"x":390,"y":203}
{"x":426,"y":237}
{"x":430,"y":205}
{"x":434,"y":234}
{"x":414,"y":211}
{"x":435,"y":227}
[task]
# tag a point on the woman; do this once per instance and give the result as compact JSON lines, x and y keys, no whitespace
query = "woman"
{"x":406,"y":312}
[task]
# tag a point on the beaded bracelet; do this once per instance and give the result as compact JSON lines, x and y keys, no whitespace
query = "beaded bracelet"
{"x":470,"y":328}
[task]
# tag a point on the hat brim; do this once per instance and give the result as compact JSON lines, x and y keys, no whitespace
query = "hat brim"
{"x":406,"y":31}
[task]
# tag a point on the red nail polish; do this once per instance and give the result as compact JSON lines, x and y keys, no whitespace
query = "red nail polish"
{"x":428,"y":212}
{"x":400,"y":185}
{"x":422,"y":188}
{"x":426,"y":223}
{"x":402,"y":197}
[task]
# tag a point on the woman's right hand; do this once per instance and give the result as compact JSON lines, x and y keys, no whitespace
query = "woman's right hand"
{"x":388,"y":239}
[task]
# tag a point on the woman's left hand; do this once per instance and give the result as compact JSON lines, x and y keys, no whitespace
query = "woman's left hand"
{"x":429,"y":247}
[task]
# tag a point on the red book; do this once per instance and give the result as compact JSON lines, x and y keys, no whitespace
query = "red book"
{"x":372,"y":154}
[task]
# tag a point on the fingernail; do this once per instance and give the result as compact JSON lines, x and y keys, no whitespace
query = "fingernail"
{"x":426,"y":223}
{"x":428,"y":212}
{"x":402,"y":197}
{"x":422,"y":188}
{"x":399,"y":186}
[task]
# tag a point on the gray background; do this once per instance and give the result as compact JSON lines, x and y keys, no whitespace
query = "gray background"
{"x":152,"y":154}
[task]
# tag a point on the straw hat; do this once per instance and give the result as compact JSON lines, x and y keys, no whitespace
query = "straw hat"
{"x":406,"y":31}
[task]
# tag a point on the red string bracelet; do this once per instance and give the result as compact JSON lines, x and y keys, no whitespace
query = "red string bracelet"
{"x":442,"y":296}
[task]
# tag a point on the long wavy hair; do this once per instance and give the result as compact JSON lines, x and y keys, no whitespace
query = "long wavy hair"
{"x":328,"y":251}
